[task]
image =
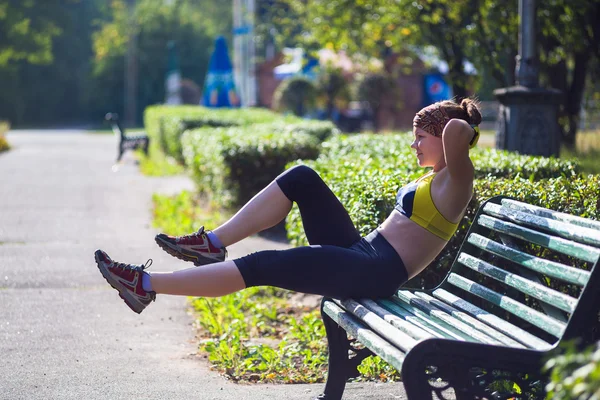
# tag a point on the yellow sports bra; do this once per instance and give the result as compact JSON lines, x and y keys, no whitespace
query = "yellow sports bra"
{"x":414,"y":201}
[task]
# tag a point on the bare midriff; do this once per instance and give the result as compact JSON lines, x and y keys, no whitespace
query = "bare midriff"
{"x":416,"y":246}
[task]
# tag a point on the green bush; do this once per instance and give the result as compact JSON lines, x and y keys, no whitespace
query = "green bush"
{"x":233,"y":164}
{"x":574,"y":374}
{"x":297,"y":95}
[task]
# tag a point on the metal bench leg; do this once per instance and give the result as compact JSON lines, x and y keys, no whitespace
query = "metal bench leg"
{"x":338,"y":360}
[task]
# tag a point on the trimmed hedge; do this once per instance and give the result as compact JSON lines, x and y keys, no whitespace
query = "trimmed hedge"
{"x":232,"y":164}
{"x":166,"y":124}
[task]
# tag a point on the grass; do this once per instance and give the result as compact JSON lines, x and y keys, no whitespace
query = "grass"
{"x":258,"y":335}
{"x":587,"y":151}
{"x":184,"y":213}
{"x":157,"y":163}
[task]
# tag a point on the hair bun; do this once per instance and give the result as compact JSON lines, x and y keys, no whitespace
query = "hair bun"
{"x":472,"y":109}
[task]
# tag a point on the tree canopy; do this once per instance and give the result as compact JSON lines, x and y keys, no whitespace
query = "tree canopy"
{"x":483,"y":32}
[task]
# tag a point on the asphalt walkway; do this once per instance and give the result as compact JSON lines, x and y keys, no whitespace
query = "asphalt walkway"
{"x":64,"y":333}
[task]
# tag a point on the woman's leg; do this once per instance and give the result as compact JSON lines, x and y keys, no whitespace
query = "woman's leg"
{"x":324,"y":270}
{"x":211,"y":280}
{"x":325,"y":219}
{"x":264,"y":210}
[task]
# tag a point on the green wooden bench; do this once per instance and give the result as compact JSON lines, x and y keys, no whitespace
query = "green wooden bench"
{"x":524,"y":280}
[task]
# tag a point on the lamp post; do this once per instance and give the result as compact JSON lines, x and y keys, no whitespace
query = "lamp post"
{"x":244,"y":50}
{"x":131,"y":68}
{"x":528,"y":114}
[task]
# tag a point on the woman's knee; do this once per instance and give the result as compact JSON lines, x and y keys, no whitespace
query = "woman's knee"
{"x":297,"y":180}
{"x":301,"y":172}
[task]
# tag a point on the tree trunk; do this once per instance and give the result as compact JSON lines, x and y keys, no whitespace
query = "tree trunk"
{"x":457,"y":72}
{"x":574,"y":96}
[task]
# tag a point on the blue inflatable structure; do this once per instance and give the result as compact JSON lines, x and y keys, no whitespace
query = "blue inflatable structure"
{"x":219,"y":86}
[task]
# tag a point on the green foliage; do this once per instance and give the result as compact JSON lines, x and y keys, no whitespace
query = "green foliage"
{"x":157,"y":163}
{"x":153,"y":24}
{"x":54,"y":90}
{"x":297,"y":95}
{"x":233,"y":164}
{"x":27,"y":28}
{"x":166,"y":124}
{"x":374,"y":367}
{"x":332,"y":88}
{"x":574,"y":374}
{"x":374,"y":88}
{"x":182,"y":213}
{"x":292,"y":345}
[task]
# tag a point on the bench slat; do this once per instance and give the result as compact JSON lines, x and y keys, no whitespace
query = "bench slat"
{"x":433,"y":329}
{"x":566,"y":230}
{"x":467,"y":319}
{"x":384,"y":329}
{"x":554,"y":269}
{"x":534,"y":317}
{"x":403,"y":325}
{"x":540,"y":292}
{"x":565,"y":246}
{"x":383,"y":349}
{"x":422,"y":305}
{"x":439,"y":324}
{"x":546,"y":213}
{"x":494,"y":321}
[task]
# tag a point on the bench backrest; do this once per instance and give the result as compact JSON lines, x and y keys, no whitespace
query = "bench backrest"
{"x":117,"y":129}
{"x":524,"y":261}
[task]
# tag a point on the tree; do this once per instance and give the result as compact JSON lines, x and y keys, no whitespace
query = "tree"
{"x":484,"y":32}
{"x":191,"y":24}
{"x":45,"y":81}
{"x":376,"y":27}
{"x":27,"y":28}
{"x":569,"y":38}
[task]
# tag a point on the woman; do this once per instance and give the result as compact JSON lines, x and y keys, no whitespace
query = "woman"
{"x":338,"y":263}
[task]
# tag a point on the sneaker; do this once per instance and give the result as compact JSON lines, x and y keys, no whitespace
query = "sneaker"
{"x":127,"y":279}
{"x":196,"y":248}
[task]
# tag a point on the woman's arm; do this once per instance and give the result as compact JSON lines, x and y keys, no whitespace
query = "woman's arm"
{"x":456,"y":137}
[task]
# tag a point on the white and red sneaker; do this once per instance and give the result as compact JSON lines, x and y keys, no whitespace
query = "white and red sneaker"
{"x":195,"y":247}
{"x":127,"y":279}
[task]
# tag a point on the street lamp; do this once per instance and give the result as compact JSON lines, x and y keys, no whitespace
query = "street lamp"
{"x":528,"y":114}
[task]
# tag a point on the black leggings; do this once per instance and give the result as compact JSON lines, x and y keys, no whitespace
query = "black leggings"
{"x":338,"y":263}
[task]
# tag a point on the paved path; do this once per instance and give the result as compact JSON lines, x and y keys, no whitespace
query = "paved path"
{"x":64,"y":333}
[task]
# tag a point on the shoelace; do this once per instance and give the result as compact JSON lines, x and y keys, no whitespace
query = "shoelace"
{"x":191,"y":236}
{"x":133,"y":267}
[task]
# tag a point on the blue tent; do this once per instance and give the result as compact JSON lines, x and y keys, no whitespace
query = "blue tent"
{"x":219,"y":87}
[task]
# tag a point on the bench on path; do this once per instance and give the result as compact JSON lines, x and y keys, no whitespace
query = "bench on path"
{"x":126,"y":142}
{"x":524,"y":280}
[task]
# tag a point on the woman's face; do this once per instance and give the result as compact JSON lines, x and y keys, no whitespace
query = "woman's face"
{"x":429,"y":148}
